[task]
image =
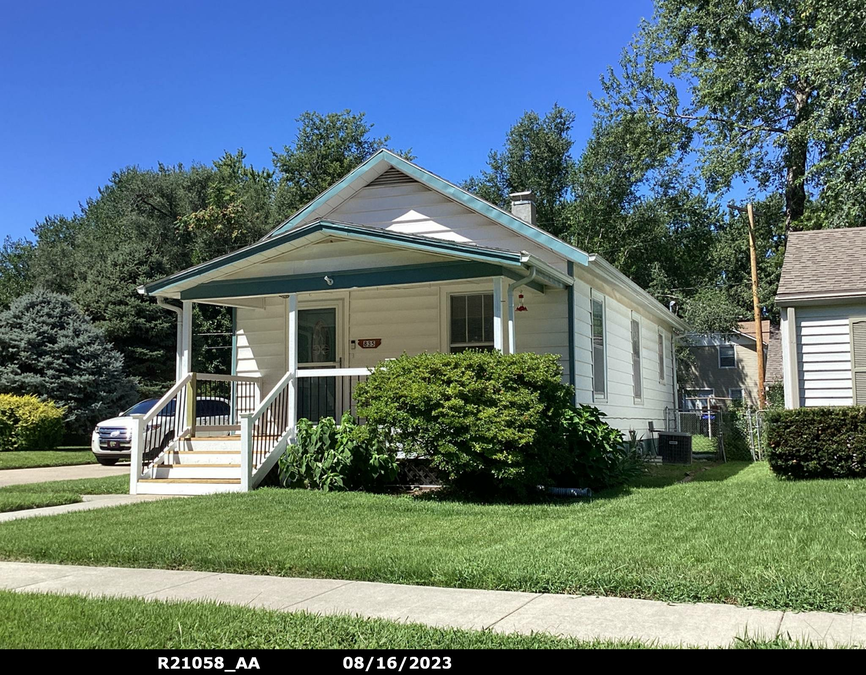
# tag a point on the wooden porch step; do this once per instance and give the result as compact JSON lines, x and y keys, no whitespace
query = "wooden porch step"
{"x":206,"y":466}
{"x":214,"y":438}
{"x":199,"y":481}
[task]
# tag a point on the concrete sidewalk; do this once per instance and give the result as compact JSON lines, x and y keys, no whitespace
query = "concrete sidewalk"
{"x":49,"y":473}
{"x":90,"y":502}
{"x":580,"y":617}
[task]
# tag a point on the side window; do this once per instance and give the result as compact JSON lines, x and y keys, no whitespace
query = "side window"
{"x":636,"y":373}
{"x":471,"y":322}
{"x":858,"y":360}
{"x":661,"y":357}
{"x":599,"y":385}
{"x":727,"y":357}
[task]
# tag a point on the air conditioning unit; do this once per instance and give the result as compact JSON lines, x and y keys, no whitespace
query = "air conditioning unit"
{"x":675,"y":447}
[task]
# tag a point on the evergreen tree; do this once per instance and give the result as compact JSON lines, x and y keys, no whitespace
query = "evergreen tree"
{"x":48,"y":348}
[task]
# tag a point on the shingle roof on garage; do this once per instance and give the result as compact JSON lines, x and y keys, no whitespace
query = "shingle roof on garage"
{"x":829,"y":263}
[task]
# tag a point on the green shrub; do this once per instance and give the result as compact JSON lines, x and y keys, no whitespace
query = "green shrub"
{"x":817,"y":442}
{"x":330,"y":457}
{"x":489,"y":422}
{"x":26,"y":423}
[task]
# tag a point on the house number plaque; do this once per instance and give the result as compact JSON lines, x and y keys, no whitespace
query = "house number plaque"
{"x":370,"y":343}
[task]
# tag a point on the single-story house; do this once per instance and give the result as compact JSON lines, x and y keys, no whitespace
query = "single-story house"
{"x":822,"y":300}
{"x":724,"y":366}
{"x":392,"y":259}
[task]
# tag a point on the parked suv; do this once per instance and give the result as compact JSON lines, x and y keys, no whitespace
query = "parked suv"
{"x":112,"y":438}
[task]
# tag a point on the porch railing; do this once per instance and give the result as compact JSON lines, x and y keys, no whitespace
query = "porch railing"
{"x":197,"y":403}
{"x":310,"y":393}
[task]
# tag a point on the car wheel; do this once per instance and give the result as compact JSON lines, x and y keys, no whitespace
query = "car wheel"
{"x":107,"y":461}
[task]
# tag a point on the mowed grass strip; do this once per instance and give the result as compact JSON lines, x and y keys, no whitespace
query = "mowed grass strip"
{"x":109,"y":485}
{"x":32,"y":459}
{"x":21,"y":501}
{"x":101,"y":623}
{"x":734,"y":534}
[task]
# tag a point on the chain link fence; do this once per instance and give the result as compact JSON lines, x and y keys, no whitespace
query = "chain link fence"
{"x":728,"y":434}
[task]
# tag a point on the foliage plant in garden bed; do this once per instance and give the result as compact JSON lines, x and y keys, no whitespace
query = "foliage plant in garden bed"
{"x":330,"y":457}
{"x":818,"y":442}
{"x":493,"y":423}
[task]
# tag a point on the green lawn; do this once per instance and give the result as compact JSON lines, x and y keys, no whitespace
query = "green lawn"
{"x":734,"y":534}
{"x":31,"y":459}
{"x":96,"y":623}
{"x":19,"y":501}
{"x":55,"y":493}
{"x":109,"y":485}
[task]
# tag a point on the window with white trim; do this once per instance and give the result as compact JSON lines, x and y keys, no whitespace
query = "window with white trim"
{"x":727,"y":356}
{"x":858,"y":360}
{"x":735,"y":394}
{"x":661,"y":357}
{"x":599,"y":384}
{"x":636,"y":373}
{"x":471,"y":322}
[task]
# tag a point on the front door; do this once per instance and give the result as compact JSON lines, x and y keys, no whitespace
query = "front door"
{"x":318,"y":347}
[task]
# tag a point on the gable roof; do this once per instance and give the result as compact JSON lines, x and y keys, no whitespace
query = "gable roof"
{"x":824,"y":264}
{"x":324,"y":228}
{"x":383,"y":160}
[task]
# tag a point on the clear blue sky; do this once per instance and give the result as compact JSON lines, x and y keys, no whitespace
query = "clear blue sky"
{"x":90,"y":87}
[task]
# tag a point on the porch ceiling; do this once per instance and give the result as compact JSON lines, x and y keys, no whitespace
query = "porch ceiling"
{"x":326,"y":255}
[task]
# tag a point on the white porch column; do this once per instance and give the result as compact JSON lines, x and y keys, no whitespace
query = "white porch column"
{"x":185,"y":340}
{"x":292,"y":361}
{"x":500,"y":312}
{"x":509,"y":301}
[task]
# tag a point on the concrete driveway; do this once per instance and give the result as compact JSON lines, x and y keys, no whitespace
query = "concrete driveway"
{"x":44,"y":474}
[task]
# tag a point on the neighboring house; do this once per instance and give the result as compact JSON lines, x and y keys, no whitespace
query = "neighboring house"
{"x":822,"y":299}
{"x":390,"y":260}
{"x":724,"y":367}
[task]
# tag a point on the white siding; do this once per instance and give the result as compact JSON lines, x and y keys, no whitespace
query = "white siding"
{"x":623,"y":410}
{"x":413,"y":208}
{"x":262,"y":342}
{"x":824,"y":354}
{"x":414,"y":319}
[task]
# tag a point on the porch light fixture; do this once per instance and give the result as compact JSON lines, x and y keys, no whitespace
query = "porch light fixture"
{"x":328,"y":280}
{"x":520,"y":306}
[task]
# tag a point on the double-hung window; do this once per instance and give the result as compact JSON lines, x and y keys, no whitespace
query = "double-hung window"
{"x":637,"y":379}
{"x":727,"y":357}
{"x":472,"y":322}
{"x":599,"y":384}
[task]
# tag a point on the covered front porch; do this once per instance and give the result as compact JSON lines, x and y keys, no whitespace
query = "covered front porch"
{"x":313,"y":314}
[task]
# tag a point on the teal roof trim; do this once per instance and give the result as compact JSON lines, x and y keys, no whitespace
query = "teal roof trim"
{"x":346,"y":279}
{"x":459,"y":195}
{"x":345,"y":230}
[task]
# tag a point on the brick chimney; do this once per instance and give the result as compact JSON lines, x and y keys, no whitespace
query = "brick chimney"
{"x":523,"y":206}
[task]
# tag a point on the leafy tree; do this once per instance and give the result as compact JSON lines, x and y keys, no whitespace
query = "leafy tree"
{"x":773,"y":91}
{"x":326,"y":148}
{"x":49,"y":349}
{"x":16,"y":256}
{"x":536,"y":157}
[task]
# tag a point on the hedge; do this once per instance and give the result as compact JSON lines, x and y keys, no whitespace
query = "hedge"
{"x":817,"y":442}
{"x":26,"y":423}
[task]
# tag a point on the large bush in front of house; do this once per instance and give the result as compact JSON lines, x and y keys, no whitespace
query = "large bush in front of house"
{"x":26,"y":423}
{"x":491,"y":423}
{"x":50,"y":350}
{"x":817,"y":442}
{"x":329,"y":457}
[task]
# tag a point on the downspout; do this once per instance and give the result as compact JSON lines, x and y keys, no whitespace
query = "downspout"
{"x":177,"y":310}
{"x":509,"y":294}
{"x":572,"y":375}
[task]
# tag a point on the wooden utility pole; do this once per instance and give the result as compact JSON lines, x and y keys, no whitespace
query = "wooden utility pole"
{"x":759,"y":326}
{"x":756,"y":306}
